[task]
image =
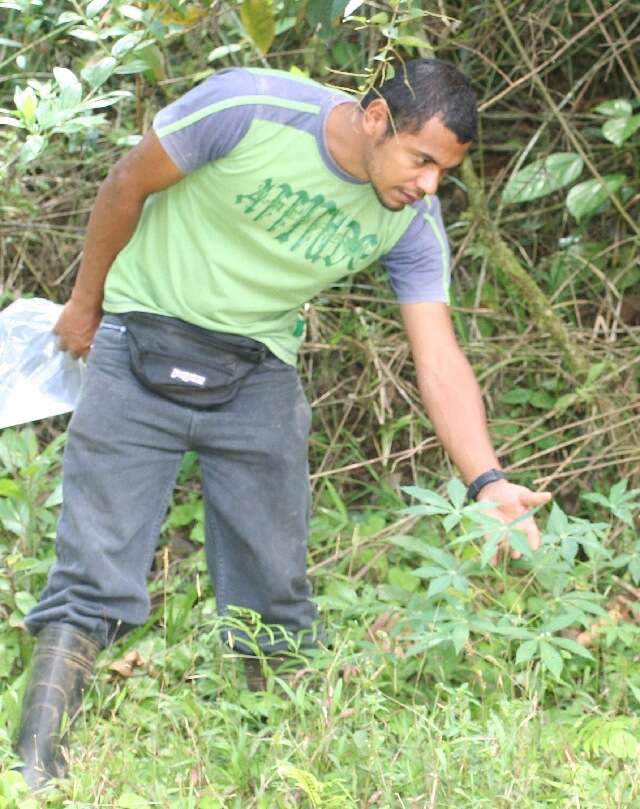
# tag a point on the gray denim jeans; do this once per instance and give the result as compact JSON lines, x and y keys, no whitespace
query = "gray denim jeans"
{"x":123,"y":454}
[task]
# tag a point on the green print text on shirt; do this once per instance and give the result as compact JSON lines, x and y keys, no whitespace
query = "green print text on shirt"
{"x":314,"y":224}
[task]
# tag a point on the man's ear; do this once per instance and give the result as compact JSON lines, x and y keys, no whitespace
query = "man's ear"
{"x":375,"y":118}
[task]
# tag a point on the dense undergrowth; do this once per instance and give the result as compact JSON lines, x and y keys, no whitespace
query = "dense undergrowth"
{"x":448,"y":683}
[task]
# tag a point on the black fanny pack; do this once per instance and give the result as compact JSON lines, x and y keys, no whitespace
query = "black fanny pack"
{"x":187,"y":364}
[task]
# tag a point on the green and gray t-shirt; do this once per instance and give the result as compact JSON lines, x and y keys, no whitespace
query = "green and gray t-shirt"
{"x":265,"y":218}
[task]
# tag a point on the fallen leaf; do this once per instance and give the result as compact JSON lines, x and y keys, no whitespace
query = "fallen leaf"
{"x":618,"y":609}
{"x":126,"y":665}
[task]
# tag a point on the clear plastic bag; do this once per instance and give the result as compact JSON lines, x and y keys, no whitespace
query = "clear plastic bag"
{"x":37,"y":380}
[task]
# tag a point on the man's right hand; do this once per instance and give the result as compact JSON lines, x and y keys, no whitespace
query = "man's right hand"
{"x":76,"y":327}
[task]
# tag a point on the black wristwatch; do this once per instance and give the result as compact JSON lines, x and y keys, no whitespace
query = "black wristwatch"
{"x":486,"y":477}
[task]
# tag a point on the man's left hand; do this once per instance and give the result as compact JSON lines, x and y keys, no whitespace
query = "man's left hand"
{"x":512,"y":501}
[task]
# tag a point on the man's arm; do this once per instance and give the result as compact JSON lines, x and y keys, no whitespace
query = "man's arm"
{"x":147,"y":168}
{"x":451,"y":396}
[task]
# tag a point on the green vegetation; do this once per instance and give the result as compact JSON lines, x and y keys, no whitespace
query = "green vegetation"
{"x":449,"y":682}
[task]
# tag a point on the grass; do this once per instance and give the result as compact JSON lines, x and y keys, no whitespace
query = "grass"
{"x":472,"y":717}
{"x":188,"y":735}
{"x":376,"y":721}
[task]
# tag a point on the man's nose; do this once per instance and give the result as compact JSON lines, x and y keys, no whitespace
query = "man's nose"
{"x":429,"y":179}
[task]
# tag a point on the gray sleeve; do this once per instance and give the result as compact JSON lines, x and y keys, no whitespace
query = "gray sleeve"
{"x":208,"y":121}
{"x":419,"y":263}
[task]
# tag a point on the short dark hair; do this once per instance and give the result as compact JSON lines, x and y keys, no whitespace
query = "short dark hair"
{"x":424,"y":88}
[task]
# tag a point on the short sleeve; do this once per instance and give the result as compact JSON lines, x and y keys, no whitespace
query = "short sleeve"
{"x":419,"y":262}
{"x":207,"y":122}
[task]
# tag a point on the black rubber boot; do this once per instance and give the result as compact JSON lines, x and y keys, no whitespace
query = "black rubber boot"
{"x":61,"y":668}
{"x":285,"y":668}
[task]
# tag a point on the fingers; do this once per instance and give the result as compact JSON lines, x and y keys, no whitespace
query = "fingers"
{"x":77,"y":349}
{"x":529,"y":528}
{"x":533,"y":499}
{"x":509,"y":510}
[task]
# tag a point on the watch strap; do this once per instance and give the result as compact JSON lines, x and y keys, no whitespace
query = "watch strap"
{"x":486,"y":477}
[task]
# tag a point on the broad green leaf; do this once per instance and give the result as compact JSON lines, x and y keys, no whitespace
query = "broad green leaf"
{"x":96,"y":74}
{"x":429,"y":571}
{"x":489,"y":549}
{"x":518,"y":542}
{"x":440,"y":557}
{"x":483,"y":625}
{"x":634,"y":569}
{"x":70,"y":87}
{"x":126,"y":44}
{"x":6,"y":120}
{"x":596,"y":497}
{"x":551,"y":659}
{"x":541,"y":399}
{"x":410,"y":544}
{"x":154,"y":59}
{"x":517,"y":396}
{"x":55,"y":498}
{"x":9,"y":488}
{"x":412,"y":42}
{"x":584,"y":199}
{"x":543,"y":176}
{"x":26,"y":103}
{"x":257,"y":17}
{"x":573,"y":646}
{"x":461,"y":583}
{"x":10,"y":43}
{"x":339,"y":594}
{"x":623,"y":744}
{"x":460,"y":636}
{"x":24,"y":601}
{"x":569,"y":549}
{"x":618,"y":490}
{"x":69,"y":16}
{"x":323,"y":12}
{"x":595,"y":370}
{"x":616,"y":107}
{"x":352,"y":5}
{"x":185,"y":513}
{"x":31,"y":148}
{"x":107,"y":100}
{"x":457,"y":492}
{"x":128,"y":69}
{"x":634,"y":690}
{"x":586,"y":601}
{"x":450,"y":521}
{"x":222,"y":51}
{"x":429,"y":498}
{"x":85,"y":34}
{"x":526,"y":651}
{"x":559,"y":622}
{"x":617,"y":130}
{"x":402,"y":577}
{"x":439,"y":585}
{"x":131,"y":12}
{"x":95,"y":7}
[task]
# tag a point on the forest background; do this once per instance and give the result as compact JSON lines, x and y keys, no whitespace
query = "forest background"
{"x":450,"y":683}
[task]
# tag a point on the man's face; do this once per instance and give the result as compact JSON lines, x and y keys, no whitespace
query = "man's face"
{"x":404,"y":166}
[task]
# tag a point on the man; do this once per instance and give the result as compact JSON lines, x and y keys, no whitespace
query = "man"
{"x":250,"y":194}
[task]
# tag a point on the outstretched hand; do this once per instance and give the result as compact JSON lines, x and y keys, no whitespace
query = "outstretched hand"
{"x":512,"y":501}
{"x":76,"y":327}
